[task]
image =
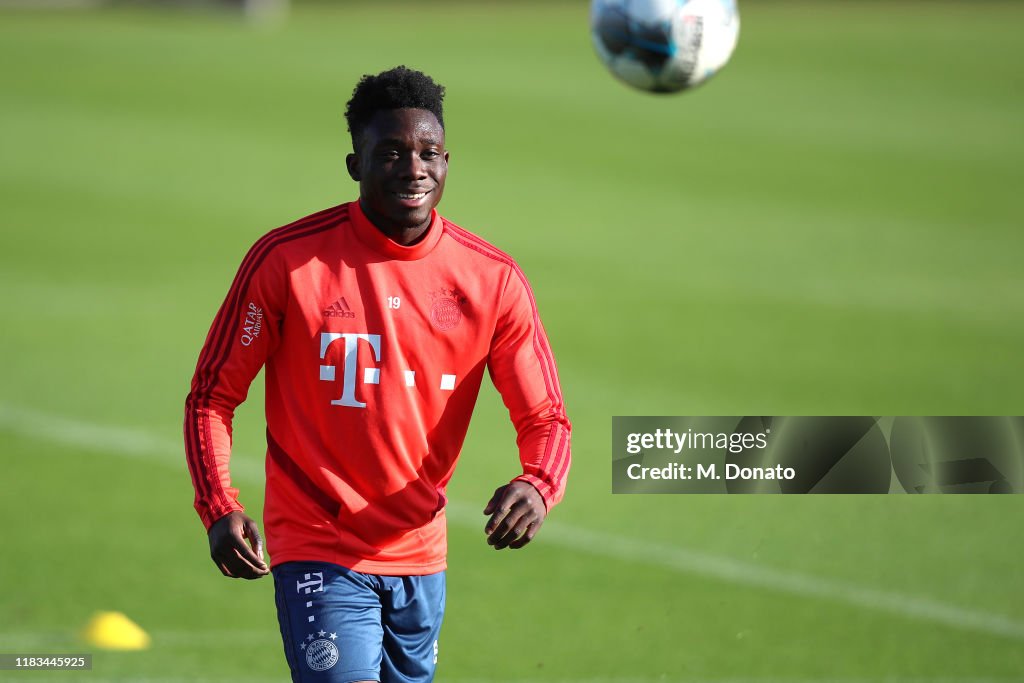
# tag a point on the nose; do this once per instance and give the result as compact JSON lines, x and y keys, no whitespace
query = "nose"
{"x":414,"y":168}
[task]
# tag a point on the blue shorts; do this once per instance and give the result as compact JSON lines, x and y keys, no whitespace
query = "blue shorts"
{"x":341,"y":626}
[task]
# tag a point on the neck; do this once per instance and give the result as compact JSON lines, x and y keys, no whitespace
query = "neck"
{"x":404,"y":235}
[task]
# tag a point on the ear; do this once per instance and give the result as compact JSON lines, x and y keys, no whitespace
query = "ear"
{"x":352,"y":164}
{"x":446,"y":157}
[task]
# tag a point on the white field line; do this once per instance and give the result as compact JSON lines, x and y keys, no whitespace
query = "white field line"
{"x":134,"y":443}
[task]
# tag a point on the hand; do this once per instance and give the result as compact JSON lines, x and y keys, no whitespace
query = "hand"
{"x":517,"y":510}
{"x":229,"y":550}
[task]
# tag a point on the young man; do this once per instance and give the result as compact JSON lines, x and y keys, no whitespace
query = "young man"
{"x":375,"y":320}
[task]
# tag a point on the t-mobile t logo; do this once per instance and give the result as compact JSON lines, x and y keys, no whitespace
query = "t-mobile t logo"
{"x":370,"y":375}
{"x":311,"y":585}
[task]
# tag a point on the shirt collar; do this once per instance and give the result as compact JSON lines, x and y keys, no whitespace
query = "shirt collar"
{"x":370,"y":235}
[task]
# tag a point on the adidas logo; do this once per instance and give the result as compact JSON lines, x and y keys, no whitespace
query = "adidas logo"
{"x":339,"y":309}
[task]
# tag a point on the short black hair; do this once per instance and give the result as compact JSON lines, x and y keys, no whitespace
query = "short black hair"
{"x":398,"y":88}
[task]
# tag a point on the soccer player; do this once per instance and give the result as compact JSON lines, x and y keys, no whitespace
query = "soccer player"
{"x":376,"y":320}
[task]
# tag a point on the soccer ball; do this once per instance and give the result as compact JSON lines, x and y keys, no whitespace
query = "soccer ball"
{"x":664,"y":45}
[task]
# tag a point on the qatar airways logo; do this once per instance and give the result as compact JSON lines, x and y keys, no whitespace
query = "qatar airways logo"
{"x":370,"y":346}
{"x":252,"y":325}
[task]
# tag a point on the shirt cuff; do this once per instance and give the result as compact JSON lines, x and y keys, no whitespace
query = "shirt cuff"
{"x":543,"y":488}
{"x":210,"y":516}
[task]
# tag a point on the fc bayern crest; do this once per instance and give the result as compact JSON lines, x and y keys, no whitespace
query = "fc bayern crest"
{"x":321,"y":654}
{"x":446,"y":308}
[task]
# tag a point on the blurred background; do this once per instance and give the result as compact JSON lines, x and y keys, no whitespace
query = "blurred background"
{"x":830,"y":226}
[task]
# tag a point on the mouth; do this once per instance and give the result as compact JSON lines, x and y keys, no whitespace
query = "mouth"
{"x":412,"y":200}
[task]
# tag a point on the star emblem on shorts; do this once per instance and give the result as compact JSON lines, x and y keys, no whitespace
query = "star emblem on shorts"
{"x":322,"y":634}
{"x":309,"y":637}
{"x":334,"y":636}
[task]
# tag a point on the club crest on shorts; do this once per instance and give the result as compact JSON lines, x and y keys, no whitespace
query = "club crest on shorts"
{"x":446,"y":308}
{"x":322,"y":653}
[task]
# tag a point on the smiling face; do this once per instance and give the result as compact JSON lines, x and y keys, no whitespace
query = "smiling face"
{"x":400,"y":164}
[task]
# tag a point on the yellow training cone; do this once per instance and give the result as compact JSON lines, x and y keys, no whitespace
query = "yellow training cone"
{"x":115,"y":631}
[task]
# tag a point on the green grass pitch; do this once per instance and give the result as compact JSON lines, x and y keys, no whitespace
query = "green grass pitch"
{"x":832,"y":225}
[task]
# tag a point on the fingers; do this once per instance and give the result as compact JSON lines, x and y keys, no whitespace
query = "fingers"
{"x":252,"y":533}
{"x":516,"y":516}
{"x":239,"y":562}
{"x":519,"y":533}
{"x":245,"y":565}
{"x":499,"y":510}
{"x":492,"y":504}
{"x":526,"y":536}
{"x":230,"y":552}
{"x":507,"y":524}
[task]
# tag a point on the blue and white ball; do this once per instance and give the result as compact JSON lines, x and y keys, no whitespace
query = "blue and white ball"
{"x":664,"y":45}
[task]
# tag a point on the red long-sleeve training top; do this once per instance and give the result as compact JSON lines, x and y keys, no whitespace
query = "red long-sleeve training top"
{"x":374,"y":355}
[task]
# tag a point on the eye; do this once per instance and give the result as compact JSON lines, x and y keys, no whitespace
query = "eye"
{"x":430,"y":154}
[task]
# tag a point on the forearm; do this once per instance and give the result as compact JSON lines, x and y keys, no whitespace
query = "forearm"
{"x":208,"y":452}
{"x":545,"y":456}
